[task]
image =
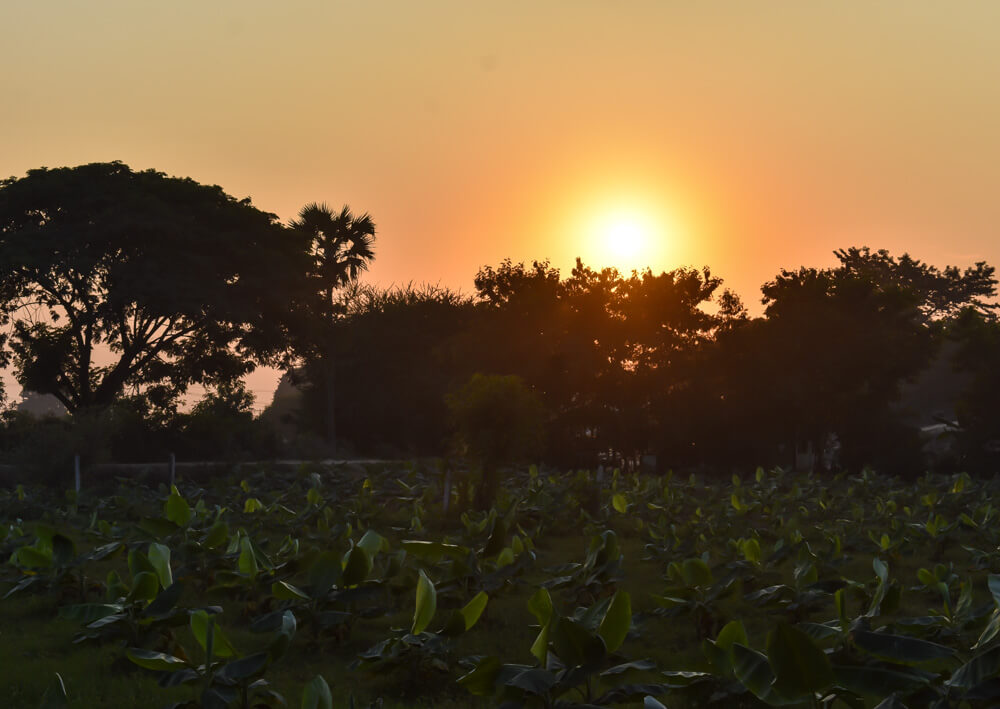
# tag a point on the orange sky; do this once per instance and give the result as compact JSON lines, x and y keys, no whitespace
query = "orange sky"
{"x":767,"y":133}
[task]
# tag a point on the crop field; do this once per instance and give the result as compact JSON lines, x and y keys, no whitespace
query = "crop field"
{"x":353,"y":587}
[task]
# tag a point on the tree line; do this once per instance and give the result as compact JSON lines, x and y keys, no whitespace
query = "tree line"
{"x":119,"y":290}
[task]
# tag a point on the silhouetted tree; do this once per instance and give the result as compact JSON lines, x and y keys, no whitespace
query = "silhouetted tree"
{"x":398,"y":352}
{"x":178,"y":281}
{"x":498,"y":420}
{"x":978,"y":437}
{"x":842,"y":341}
{"x":342,"y":246}
{"x":609,"y":355}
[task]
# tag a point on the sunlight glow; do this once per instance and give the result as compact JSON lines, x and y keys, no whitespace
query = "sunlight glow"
{"x":627,"y":237}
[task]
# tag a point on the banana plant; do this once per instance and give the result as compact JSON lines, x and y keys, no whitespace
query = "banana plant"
{"x":52,"y":562}
{"x":598,"y":574}
{"x":417,"y":648}
{"x":133,"y":612}
{"x":223,"y":678}
{"x":493,"y":567}
{"x":694,"y":591}
{"x":335,"y":584}
{"x":576,"y":660}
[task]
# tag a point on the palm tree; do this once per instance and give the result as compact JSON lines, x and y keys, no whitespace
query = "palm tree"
{"x":342,"y":247}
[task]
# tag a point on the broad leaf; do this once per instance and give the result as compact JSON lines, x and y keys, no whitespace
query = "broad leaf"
{"x":316,"y":694}
{"x":617,"y":621}
{"x":221,"y":647}
{"x":159,"y":557}
{"x":482,"y":680}
{"x":356,"y":568}
{"x":426,"y":604}
{"x":284,"y":591}
{"x":156,"y":661}
{"x":799,"y":665}
{"x":176,"y":509}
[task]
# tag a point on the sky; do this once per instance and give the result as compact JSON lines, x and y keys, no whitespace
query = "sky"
{"x":745,"y":136}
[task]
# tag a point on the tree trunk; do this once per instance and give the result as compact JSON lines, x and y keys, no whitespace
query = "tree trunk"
{"x":330,"y":372}
{"x":486,"y":492}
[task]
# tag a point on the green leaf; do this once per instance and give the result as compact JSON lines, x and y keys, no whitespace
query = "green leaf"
{"x":217,"y":535}
{"x":800,"y":666}
{"x":731,"y":633}
{"x":435,"y":551}
{"x":696,"y":572}
{"x":287,"y":592}
{"x":505,"y":557}
{"x":474,"y":609}
{"x":245,"y":667}
{"x":247,"y":563}
{"x":316,"y":694}
{"x":426,"y":604}
{"x":279,"y":643}
{"x":373,"y":542}
{"x":619,"y":502}
{"x":139,"y":562}
{"x":977,"y":670}
{"x":877,"y":682}
{"x":156,"y":661}
{"x":617,"y":621}
{"x":86,"y":613}
{"x":159,"y":557}
{"x":575,"y":645}
{"x":63,"y":550}
{"x":752,"y":670}
{"x":356,"y":568}
{"x":533,"y":681}
{"x":481,"y":681}
{"x":540,"y":605}
{"x":32,"y":558}
{"x":926,"y":577}
{"x":751,"y":551}
{"x":900,"y":648}
{"x":991,"y":631}
{"x":324,"y":573}
{"x":158,"y":527}
{"x":165,"y":600}
{"x":221,"y":646}
{"x":993,"y":581}
{"x":145,"y":586}
{"x":176,"y":508}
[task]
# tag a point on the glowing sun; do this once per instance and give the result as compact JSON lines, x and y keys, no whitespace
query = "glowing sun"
{"x":626,"y":238}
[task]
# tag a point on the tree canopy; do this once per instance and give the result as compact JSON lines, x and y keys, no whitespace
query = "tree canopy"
{"x":173,"y":281}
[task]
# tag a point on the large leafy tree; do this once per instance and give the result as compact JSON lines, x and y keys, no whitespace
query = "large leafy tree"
{"x":341,"y":245}
{"x":611,"y":356}
{"x":841,"y":342}
{"x":116,"y":281}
